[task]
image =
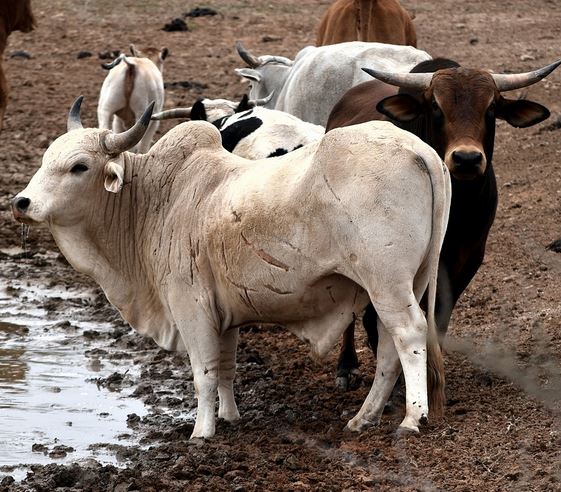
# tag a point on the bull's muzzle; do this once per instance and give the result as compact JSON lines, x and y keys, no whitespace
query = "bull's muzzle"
{"x":466,"y":163}
{"x":20,"y":205}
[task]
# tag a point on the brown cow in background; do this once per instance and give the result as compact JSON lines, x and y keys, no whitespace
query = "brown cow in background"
{"x":382,"y":21}
{"x":15,"y":15}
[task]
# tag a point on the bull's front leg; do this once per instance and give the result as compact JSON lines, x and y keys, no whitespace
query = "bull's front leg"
{"x":201,"y":337}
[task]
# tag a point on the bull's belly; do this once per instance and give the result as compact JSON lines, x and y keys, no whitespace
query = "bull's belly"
{"x":316,"y":312}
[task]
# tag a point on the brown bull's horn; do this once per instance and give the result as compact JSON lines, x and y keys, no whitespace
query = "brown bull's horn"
{"x":419,"y":81}
{"x":512,"y":81}
{"x":260,"y":102}
{"x":74,"y":122}
{"x":173,"y":113}
{"x":251,"y":60}
{"x":115,"y":143}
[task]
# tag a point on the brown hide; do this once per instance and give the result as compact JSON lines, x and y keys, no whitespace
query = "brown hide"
{"x":358,"y":105}
{"x":15,"y":15}
{"x":382,"y":21}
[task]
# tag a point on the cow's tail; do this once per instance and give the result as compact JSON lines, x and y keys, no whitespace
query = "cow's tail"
{"x":116,"y":61}
{"x":441,"y":192}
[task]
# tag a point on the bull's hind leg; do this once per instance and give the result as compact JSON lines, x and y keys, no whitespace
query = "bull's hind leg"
{"x":403,"y":325}
{"x":406,"y":323}
{"x":387,"y":371}
{"x":227,"y":408}
{"x":347,"y":365}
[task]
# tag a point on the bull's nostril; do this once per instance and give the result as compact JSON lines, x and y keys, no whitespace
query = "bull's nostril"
{"x":22,"y":203}
{"x":467,"y":158}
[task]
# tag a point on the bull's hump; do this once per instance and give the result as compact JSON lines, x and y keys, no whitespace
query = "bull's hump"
{"x":193,"y":135}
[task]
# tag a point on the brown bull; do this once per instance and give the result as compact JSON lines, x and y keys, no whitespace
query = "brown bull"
{"x":382,"y":21}
{"x":454,"y":110}
{"x":15,"y":15}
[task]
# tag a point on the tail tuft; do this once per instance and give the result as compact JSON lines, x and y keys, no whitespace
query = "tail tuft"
{"x":435,"y":375}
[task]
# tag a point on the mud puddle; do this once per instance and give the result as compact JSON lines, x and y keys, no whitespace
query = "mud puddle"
{"x":52,"y":359}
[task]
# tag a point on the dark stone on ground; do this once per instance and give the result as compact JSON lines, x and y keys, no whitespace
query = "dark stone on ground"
{"x":26,"y":55}
{"x":200,"y":12}
{"x":176,"y":25}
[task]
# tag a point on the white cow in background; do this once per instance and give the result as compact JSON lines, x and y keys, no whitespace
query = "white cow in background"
{"x":130,"y":86}
{"x":309,"y":86}
{"x":248,"y":130}
{"x":190,"y":242}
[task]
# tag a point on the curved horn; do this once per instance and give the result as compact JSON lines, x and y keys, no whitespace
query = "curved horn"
{"x":260,"y":102}
{"x":173,"y":113}
{"x":419,"y":81}
{"x":276,"y":59}
{"x":114,"y":63}
{"x":251,"y":60}
{"x":512,"y":81}
{"x":115,"y":143}
{"x":74,"y":122}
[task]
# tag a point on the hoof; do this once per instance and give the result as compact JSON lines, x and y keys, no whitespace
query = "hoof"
{"x":403,"y":431}
{"x":358,"y":424}
{"x":348,"y":380}
{"x":231,"y":417}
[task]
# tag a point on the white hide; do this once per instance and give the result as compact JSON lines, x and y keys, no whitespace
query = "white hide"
{"x":120,"y":105}
{"x":319,"y":76}
{"x":279,"y":130}
{"x":199,"y":242}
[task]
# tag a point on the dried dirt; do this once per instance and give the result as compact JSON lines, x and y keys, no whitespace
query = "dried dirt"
{"x":501,"y":430}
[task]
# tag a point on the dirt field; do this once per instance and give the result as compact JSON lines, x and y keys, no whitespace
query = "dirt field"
{"x":502,"y":425}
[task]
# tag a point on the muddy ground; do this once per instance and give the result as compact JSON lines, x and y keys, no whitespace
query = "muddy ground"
{"x":502,"y":425}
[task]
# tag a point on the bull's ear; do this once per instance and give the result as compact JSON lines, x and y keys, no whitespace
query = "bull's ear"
{"x":114,"y":175}
{"x":198,"y":111}
{"x":164,"y":54}
{"x":401,"y":107}
{"x":521,"y":113}
{"x":249,"y":73}
{"x":243,"y":104}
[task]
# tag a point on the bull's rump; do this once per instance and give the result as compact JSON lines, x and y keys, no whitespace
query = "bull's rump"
{"x":301,"y":239}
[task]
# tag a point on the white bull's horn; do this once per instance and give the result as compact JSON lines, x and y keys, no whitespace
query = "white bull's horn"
{"x":419,"y":81}
{"x":283,"y":60}
{"x":260,"y":102}
{"x":173,"y":113}
{"x":512,"y":81}
{"x":115,"y":143}
{"x":251,"y":60}
{"x":74,"y":122}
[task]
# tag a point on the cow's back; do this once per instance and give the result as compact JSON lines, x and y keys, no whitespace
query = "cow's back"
{"x":382,"y":21}
{"x":322,"y":67}
{"x":15,"y":15}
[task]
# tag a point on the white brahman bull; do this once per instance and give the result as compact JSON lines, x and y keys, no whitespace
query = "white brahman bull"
{"x":249,"y":131}
{"x":128,"y":89}
{"x":190,"y":242}
{"x":309,"y":86}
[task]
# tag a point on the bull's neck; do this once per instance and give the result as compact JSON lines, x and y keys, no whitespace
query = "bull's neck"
{"x":108,"y":244}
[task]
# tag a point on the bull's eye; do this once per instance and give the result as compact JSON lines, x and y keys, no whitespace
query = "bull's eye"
{"x":78,"y":168}
{"x":435,"y":106}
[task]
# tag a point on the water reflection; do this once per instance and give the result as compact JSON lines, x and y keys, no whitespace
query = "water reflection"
{"x":45,"y":394}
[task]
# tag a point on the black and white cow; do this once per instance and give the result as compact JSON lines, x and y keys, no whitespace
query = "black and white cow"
{"x":249,"y":130}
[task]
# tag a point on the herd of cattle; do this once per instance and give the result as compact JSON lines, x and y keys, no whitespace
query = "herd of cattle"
{"x":256,"y":215}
